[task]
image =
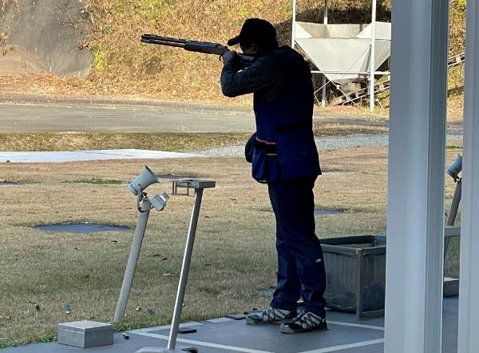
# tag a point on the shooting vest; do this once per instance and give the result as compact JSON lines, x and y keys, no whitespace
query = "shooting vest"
{"x":284,"y":146}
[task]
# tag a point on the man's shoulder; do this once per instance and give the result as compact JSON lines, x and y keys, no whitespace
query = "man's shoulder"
{"x":268,"y":65}
{"x":270,"y":59}
{"x":288,"y":54}
{"x":291,"y":60}
{"x":276,"y":57}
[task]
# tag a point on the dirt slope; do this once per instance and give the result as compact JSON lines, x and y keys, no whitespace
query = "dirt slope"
{"x":122,"y":66}
{"x":46,"y":35}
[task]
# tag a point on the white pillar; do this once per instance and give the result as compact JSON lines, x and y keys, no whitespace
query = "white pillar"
{"x":469,"y":285}
{"x":325,"y":21}
{"x":293,"y":28}
{"x":326,"y":12}
{"x":415,"y":245}
{"x":373,"y":50}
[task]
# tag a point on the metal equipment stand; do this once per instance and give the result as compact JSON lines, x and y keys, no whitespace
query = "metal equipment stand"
{"x":144,"y":208}
{"x":451,"y":218}
{"x":199,"y":186}
{"x":451,"y":285}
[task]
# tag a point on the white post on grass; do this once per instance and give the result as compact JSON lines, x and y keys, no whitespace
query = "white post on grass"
{"x":373,"y":51}
{"x":325,"y":21}
{"x":185,"y":269}
{"x":469,"y":285}
{"x":144,"y":214}
{"x":417,"y":144}
{"x":293,"y":30}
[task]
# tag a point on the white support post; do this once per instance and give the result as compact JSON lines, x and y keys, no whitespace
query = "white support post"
{"x":373,"y":51}
{"x":417,"y":143}
{"x":326,"y":11}
{"x":325,"y":21}
{"x":468,"y":340}
{"x":143,"y":216}
{"x":293,"y":28}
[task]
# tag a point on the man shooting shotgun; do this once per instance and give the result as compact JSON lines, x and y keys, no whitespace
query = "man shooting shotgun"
{"x":196,"y":46}
{"x":285,"y":157}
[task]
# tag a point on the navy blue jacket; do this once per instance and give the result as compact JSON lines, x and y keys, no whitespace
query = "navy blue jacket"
{"x":283,"y":105}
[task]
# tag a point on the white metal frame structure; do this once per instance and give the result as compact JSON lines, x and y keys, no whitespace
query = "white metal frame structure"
{"x":416,"y":181}
{"x":469,"y":284}
{"x":417,"y":144}
{"x":372,"y":72}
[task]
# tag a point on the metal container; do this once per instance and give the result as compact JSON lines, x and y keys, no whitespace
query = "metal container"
{"x":356,"y":274}
{"x":85,"y":334}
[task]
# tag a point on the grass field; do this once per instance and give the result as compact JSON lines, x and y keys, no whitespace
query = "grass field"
{"x":234,"y":257}
{"x":166,"y":141}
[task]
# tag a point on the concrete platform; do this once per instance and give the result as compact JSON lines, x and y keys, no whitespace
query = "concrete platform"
{"x":224,"y":335}
{"x":76,"y":156}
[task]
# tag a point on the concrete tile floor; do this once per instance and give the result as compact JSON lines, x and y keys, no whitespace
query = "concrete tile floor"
{"x":224,"y":335}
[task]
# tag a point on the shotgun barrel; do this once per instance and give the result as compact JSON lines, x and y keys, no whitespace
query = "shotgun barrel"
{"x":192,"y":45}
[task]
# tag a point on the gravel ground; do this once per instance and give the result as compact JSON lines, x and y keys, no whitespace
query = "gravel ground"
{"x":323,"y":143}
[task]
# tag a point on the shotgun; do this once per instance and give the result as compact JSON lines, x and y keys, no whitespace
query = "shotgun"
{"x":196,"y":46}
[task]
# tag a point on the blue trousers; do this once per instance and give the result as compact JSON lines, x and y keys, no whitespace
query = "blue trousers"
{"x":300,"y":257}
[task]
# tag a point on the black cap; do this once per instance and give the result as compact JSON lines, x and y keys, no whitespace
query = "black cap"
{"x":256,"y":31}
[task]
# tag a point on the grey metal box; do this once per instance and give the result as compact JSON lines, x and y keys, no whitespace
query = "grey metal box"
{"x":356,"y":274}
{"x":85,"y":334}
{"x":451,"y":287}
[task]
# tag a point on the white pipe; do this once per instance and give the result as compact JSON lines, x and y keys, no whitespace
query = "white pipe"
{"x":326,"y":10}
{"x":373,"y":50}
{"x":132,"y":260}
{"x":293,"y":30}
{"x":185,"y":269}
{"x":325,"y":21}
{"x":350,"y":72}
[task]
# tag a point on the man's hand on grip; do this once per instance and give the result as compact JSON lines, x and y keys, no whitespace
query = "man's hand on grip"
{"x":228,"y":56}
